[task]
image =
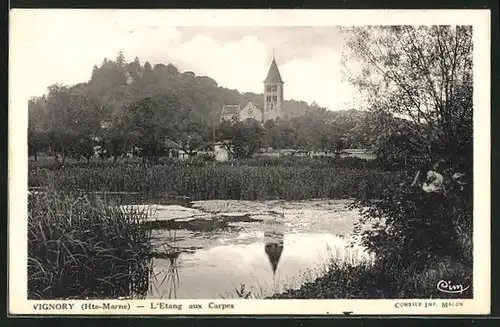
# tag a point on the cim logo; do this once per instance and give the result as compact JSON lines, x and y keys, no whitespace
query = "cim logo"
{"x":448,"y":287}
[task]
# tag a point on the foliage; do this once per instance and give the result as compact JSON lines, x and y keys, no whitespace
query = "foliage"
{"x":422,"y":75}
{"x":79,"y":248}
{"x":65,"y":122}
{"x":419,"y":85}
{"x":150,"y":121}
{"x":242,"y":139}
{"x":412,"y":227}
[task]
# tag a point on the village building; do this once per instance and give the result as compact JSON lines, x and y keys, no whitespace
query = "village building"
{"x":251,"y":112}
{"x":221,"y":153}
{"x":273,"y":101}
{"x":230,"y":112}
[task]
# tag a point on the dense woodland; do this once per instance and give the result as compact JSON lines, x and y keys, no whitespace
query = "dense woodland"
{"x":130,"y":105}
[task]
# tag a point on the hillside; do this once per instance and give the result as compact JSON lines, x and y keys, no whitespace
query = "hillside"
{"x":116,"y":83}
{"x":142,"y":104}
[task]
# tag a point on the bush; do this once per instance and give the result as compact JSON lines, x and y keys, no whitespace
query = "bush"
{"x":79,"y":248}
{"x":412,"y":228}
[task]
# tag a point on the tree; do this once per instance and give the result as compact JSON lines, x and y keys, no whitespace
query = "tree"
{"x":192,"y":134}
{"x":148,"y":76}
{"x":418,"y":85}
{"x":150,"y":121}
{"x":242,"y":139}
{"x":191,"y":143}
{"x":338,"y":144}
{"x":72,"y":121}
{"x":422,"y":75}
{"x":95,"y":70}
{"x":280,"y":134}
{"x":135,"y":70}
{"x":143,"y":128}
{"x":120,"y":60}
{"x":113,"y":139}
{"x":37,"y":136}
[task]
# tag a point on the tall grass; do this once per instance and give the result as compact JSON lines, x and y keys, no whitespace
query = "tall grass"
{"x":344,"y":280}
{"x":240,"y":180}
{"x":80,"y":248}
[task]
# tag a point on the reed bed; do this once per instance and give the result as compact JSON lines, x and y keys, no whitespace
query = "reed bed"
{"x":239,"y":180}
{"x":80,"y":248}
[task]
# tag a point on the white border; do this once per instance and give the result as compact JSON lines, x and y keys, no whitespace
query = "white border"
{"x":18,"y":165}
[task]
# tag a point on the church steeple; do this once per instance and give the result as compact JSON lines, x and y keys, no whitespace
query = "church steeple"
{"x":274,"y":245}
{"x":273,"y":75}
{"x":273,"y":92}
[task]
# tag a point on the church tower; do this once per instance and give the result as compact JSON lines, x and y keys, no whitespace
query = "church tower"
{"x":273,"y":93}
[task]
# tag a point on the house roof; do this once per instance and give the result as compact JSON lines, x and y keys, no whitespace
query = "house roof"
{"x":251,"y":104}
{"x":230,"y":109}
{"x":171,"y":144}
{"x":273,"y":76}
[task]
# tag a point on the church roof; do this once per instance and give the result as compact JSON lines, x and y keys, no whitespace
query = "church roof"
{"x":230,"y":109}
{"x":251,"y":104}
{"x":273,"y":76}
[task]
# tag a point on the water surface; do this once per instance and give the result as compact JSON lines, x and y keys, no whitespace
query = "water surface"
{"x":279,"y":245}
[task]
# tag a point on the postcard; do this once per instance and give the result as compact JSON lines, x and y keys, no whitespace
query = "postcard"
{"x":249,"y":162}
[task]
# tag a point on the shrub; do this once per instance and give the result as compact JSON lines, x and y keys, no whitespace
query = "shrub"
{"x":412,"y":228}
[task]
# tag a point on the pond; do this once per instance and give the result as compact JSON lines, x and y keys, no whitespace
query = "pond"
{"x":209,"y":249}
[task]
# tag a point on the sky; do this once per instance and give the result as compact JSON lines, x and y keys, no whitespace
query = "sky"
{"x":62,"y":46}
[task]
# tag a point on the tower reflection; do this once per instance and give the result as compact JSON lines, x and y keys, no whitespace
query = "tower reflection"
{"x":274,"y":241}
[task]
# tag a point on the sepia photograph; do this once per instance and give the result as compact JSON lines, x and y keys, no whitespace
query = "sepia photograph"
{"x":228,"y":162}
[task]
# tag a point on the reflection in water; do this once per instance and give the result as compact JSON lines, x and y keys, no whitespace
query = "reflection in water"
{"x":214,"y":265}
{"x":274,"y":248}
{"x":217,"y":270}
{"x":273,"y":239}
{"x":170,"y":280}
{"x":172,"y":276}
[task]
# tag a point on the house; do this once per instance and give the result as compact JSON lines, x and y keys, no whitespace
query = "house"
{"x":217,"y":151}
{"x":221,"y":152}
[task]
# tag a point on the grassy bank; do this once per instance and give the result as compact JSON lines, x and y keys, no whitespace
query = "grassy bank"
{"x":80,"y":248}
{"x":343,"y":280}
{"x":255,"y":179}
